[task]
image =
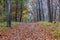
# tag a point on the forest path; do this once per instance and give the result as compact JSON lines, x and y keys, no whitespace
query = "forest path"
{"x":26,"y":31}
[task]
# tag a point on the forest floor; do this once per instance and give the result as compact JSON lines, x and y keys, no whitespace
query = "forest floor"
{"x":27,"y":31}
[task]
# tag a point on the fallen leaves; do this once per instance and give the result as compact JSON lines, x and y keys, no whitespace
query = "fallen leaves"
{"x":25,"y":31}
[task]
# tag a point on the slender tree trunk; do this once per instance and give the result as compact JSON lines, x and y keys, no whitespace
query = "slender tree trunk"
{"x":0,"y":9}
{"x":39,"y":10}
{"x":49,"y":11}
{"x":16,"y":10}
{"x":21,"y":12}
{"x":51,"y":8}
{"x":42,"y":12}
{"x":55,"y":14}
{"x":36,"y":12}
{"x":59,"y":10}
{"x":8,"y":4}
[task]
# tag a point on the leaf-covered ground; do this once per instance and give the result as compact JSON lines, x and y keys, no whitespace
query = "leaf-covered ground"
{"x":26,"y":31}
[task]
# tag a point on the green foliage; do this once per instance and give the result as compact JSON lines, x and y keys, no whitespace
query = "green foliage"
{"x":4,"y":24}
{"x":46,"y":24}
{"x":2,"y":18}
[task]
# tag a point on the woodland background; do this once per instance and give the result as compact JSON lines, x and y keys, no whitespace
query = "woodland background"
{"x":46,"y":12}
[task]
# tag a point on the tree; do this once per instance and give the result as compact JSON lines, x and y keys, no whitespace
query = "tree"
{"x":49,"y":11}
{"x":42,"y":12}
{"x":21,"y":10}
{"x":51,"y":7}
{"x":16,"y":10}
{"x":59,"y":10}
{"x":39,"y":10}
{"x":8,"y":4}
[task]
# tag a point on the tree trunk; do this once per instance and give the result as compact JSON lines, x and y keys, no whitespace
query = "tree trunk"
{"x":55,"y":14}
{"x":39,"y":10}
{"x":59,"y":10}
{"x":42,"y":12}
{"x":16,"y":10}
{"x":8,"y":13}
{"x":21,"y":12}
{"x":49,"y":11}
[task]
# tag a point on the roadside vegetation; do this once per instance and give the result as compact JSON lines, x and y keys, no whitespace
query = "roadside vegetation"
{"x":54,"y":27}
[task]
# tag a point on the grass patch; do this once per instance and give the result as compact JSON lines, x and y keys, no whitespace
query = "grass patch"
{"x":46,"y":24}
{"x":3,"y":25}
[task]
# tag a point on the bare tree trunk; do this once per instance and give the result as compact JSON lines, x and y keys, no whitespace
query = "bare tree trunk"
{"x":52,"y":9}
{"x":39,"y":10}
{"x":55,"y":14}
{"x":36,"y":12}
{"x":16,"y":10}
{"x":8,"y":4}
{"x":49,"y":11}
{"x":59,"y":10}
{"x":42,"y":12}
{"x":21,"y":12}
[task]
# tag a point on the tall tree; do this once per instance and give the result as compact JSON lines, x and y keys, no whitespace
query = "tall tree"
{"x":59,"y":10}
{"x":55,"y":11}
{"x":49,"y":11}
{"x":42,"y":12}
{"x":8,"y":4}
{"x":21,"y":10}
{"x":16,"y":10}
{"x":39,"y":11}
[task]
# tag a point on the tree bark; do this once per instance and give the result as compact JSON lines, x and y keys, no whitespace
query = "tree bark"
{"x":49,"y":11}
{"x":42,"y":12}
{"x":16,"y":10}
{"x":8,"y":4}
{"x":39,"y":11}
{"x":21,"y":12}
{"x":59,"y":10}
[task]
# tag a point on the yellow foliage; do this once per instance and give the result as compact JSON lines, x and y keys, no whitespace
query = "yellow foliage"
{"x":25,"y":11}
{"x":24,"y":16}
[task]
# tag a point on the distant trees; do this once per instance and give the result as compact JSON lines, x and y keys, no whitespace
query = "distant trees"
{"x":39,"y":10}
{"x":42,"y":10}
{"x":52,"y":10}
